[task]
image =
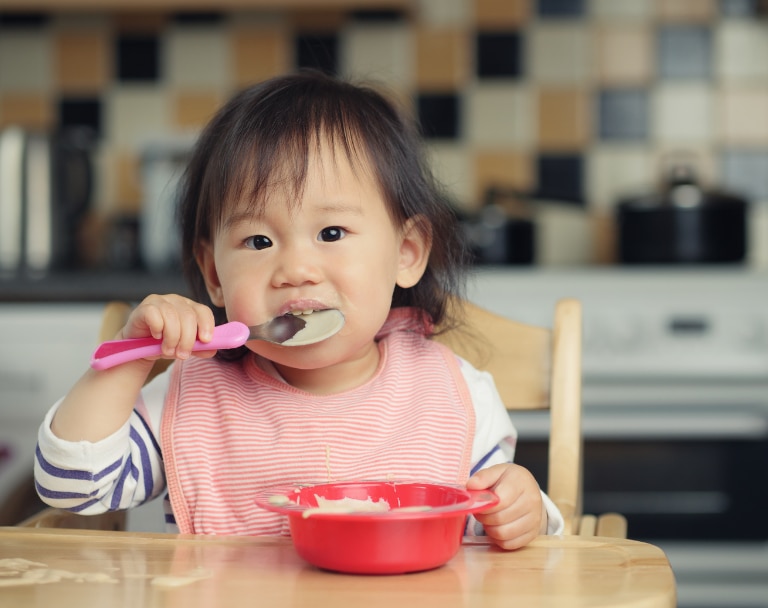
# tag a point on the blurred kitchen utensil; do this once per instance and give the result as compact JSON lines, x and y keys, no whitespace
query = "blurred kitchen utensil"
{"x":288,"y":330}
{"x":682,"y":223}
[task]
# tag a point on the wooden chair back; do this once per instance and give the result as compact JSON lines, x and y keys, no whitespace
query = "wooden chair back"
{"x":539,"y":368}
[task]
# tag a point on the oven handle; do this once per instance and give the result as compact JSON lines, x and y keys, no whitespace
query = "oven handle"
{"x":693,"y":424}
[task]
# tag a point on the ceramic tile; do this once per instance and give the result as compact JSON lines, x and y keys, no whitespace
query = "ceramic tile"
{"x":442,"y":13}
{"x":620,"y":10}
{"x":684,"y":52}
{"x":559,"y":53}
{"x":623,"y":114}
{"x":378,"y":52}
{"x":33,"y":111}
{"x":739,"y":8}
{"x":83,"y":61}
{"x":138,"y":57}
{"x":744,"y":115}
{"x":26,"y":61}
{"x":259,"y":53}
{"x":317,"y":50}
{"x":502,"y":14}
{"x":687,"y":11}
{"x":511,"y":169}
{"x":563,"y":119}
{"x":135,"y":114}
{"x":498,"y":55}
{"x":742,"y":47}
{"x":191,"y":111}
{"x":745,"y":172}
{"x":499,"y":114}
{"x":442,"y":59}
{"x":197,"y":57}
{"x":683,"y":114}
{"x":560,"y":177}
{"x":80,"y":112}
{"x":757,"y":254}
{"x":625,"y":54}
{"x":615,"y":171}
{"x":452,"y":167}
{"x":127,"y":187}
{"x":439,"y":115}
{"x":560,"y":8}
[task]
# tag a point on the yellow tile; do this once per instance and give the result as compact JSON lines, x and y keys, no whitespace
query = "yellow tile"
{"x":259,"y":53}
{"x":442,"y":59}
{"x":194,"y":110}
{"x":83,"y":61}
{"x":498,"y":14}
{"x":563,"y":119}
{"x":504,"y":168}
{"x":127,"y":171}
{"x":625,"y":54}
{"x":30,"y":111}
{"x":686,"y":11}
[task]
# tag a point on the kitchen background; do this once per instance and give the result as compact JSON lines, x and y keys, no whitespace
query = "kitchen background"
{"x":579,"y":102}
{"x":553,"y":110}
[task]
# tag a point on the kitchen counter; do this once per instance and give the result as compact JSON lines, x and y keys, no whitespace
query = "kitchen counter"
{"x":94,"y":286}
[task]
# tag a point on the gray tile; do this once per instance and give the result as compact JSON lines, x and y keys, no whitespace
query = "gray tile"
{"x":623,"y":114}
{"x":746,"y":172}
{"x":684,"y":52}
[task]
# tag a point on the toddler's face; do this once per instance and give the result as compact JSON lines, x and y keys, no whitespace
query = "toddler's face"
{"x":338,"y":248}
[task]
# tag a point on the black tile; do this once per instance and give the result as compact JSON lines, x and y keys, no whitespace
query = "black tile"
{"x":439,"y":115}
{"x":499,"y":55}
{"x":23,"y":20}
{"x":138,"y":58}
{"x":561,"y":177}
{"x":560,"y":8}
{"x":198,"y":18}
{"x":318,"y":51}
{"x":378,"y":15}
{"x":80,"y":112}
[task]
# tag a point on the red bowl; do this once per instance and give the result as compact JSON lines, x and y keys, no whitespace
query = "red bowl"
{"x":378,"y":542}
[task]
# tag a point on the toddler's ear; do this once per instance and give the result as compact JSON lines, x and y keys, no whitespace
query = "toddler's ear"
{"x":414,"y":251}
{"x":205,"y":262}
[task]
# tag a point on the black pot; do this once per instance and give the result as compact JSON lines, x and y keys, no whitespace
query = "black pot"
{"x":682,"y":224}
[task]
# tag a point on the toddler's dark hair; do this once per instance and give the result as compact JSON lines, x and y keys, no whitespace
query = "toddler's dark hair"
{"x":265,"y":134}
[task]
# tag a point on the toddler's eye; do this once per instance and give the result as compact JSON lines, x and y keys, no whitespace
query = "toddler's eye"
{"x":258,"y":242}
{"x":332,"y":233}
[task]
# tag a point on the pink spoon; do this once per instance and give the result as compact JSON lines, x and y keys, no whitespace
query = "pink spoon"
{"x":288,"y":330}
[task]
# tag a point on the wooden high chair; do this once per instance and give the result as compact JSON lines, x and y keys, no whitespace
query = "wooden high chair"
{"x":534,"y":368}
{"x":537,"y":368}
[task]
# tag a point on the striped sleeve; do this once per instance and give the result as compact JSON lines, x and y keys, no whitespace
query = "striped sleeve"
{"x":121,"y":471}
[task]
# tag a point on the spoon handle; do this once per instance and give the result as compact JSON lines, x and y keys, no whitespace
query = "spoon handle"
{"x":115,"y":352}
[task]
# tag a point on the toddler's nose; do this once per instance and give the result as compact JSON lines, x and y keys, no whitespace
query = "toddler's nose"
{"x":296,"y":267}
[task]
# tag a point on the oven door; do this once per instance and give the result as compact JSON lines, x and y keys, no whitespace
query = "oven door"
{"x":692,"y":479}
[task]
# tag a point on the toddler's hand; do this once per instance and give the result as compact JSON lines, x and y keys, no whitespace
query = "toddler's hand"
{"x":177,"y":320}
{"x":520,"y":514}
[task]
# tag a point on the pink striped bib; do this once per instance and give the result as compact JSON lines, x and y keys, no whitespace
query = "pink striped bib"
{"x":229,"y":429}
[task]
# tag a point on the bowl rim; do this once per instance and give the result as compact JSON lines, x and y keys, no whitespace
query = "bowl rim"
{"x":474,"y":501}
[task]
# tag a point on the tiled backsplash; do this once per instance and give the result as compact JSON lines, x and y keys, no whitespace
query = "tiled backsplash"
{"x":579,"y":100}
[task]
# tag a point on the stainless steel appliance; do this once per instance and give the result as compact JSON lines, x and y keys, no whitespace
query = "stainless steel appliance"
{"x":675,"y":412}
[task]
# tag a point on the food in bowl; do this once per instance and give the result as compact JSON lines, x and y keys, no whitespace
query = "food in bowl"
{"x":421,"y":529}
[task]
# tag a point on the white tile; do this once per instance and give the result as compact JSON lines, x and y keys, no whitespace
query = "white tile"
{"x":757,"y":235}
{"x":441,"y":13}
{"x":499,"y":114}
{"x":198,"y":57}
{"x":636,"y":10}
{"x":559,"y":53}
{"x":452,"y":167}
{"x":382,"y":53}
{"x":616,"y":171}
{"x":743,"y":116}
{"x":135,"y":114}
{"x":25,"y":61}
{"x":682,"y":114}
{"x":741,"y":48}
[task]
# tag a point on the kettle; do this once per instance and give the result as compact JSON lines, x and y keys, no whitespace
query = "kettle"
{"x":45,"y":189}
